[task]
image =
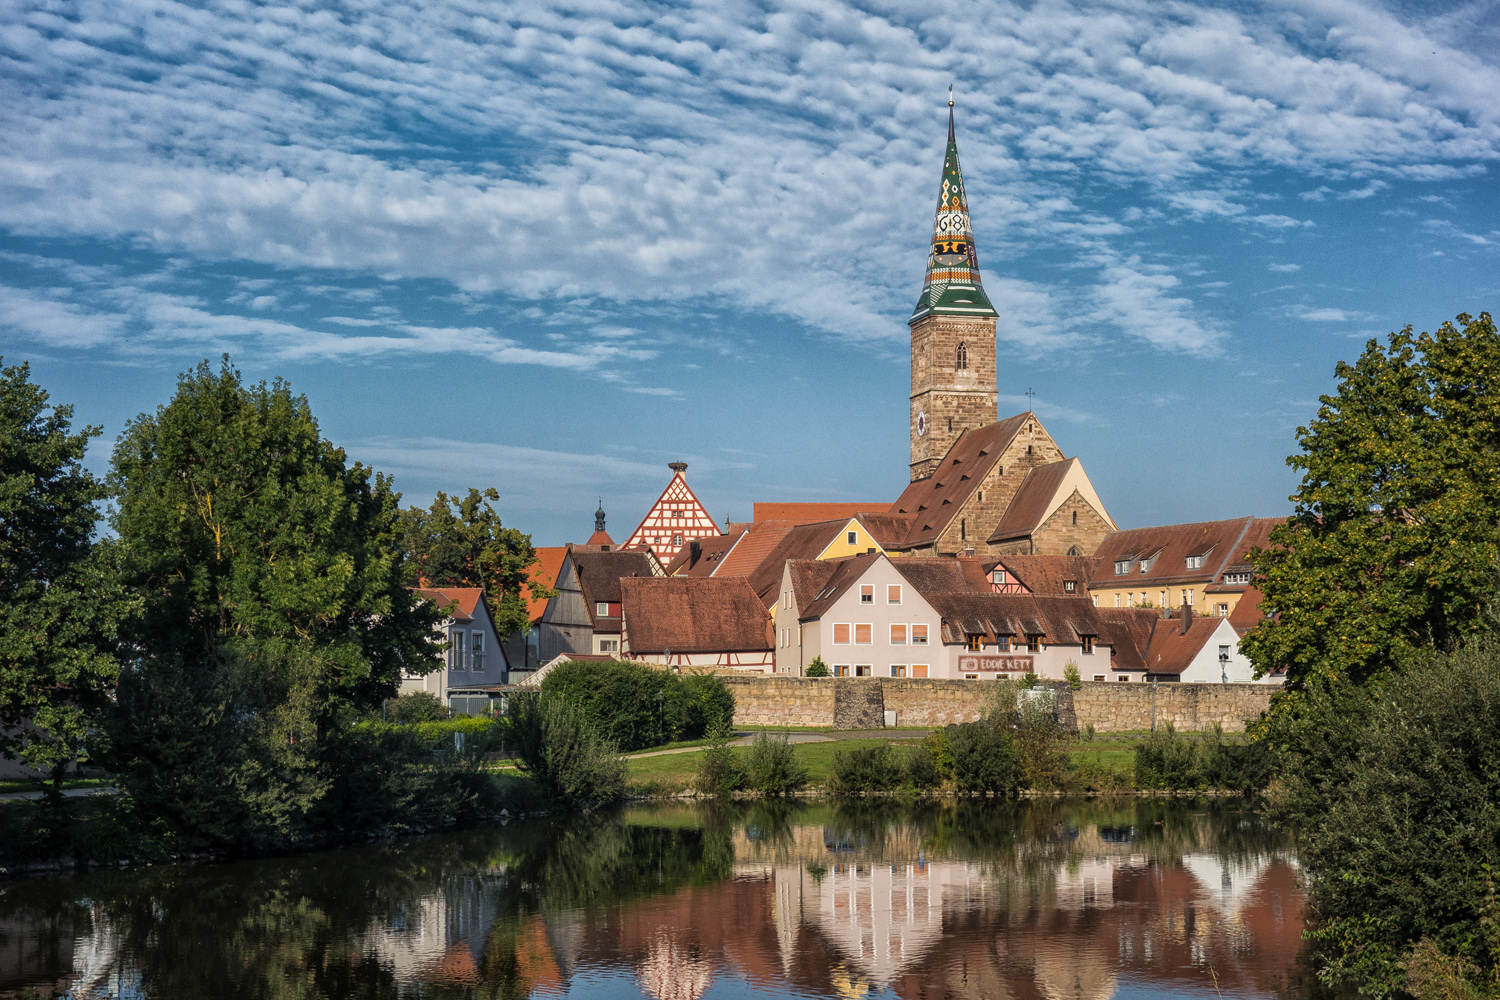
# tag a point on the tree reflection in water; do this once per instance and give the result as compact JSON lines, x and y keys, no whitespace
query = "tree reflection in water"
{"x":962,"y":899}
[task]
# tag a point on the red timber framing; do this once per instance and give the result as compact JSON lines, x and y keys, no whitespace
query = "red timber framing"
{"x":675,"y":519}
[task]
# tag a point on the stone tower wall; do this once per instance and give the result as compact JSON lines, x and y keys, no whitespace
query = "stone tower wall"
{"x":978,"y":519}
{"x":953,"y":399}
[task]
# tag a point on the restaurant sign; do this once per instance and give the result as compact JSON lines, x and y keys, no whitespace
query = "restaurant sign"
{"x":1003,"y":664}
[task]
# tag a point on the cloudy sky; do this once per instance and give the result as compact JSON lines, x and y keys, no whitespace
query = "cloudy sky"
{"x":551,"y":247}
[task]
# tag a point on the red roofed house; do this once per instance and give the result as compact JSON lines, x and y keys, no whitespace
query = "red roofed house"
{"x":1198,"y":649}
{"x":675,"y":519}
{"x":695,"y":622}
{"x":474,"y":667}
{"x":584,"y":615}
{"x":1205,"y":565}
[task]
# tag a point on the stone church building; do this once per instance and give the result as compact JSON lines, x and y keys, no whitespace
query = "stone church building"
{"x":979,"y":485}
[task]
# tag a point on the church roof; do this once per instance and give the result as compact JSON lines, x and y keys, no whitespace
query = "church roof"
{"x":935,"y":500}
{"x":1046,"y":488}
{"x":951,"y":286}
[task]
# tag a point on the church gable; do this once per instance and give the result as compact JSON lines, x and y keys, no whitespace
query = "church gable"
{"x":675,"y":519}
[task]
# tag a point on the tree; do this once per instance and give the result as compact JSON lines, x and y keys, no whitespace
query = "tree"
{"x":59,"y":605}
{"x":274,"y":605}
{"x":1394,"y":542}
{"x":460,"y":542}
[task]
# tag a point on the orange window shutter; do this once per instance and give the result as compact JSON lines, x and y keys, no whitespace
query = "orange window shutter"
{"x":898,"y":635}
{"x":841,"y":633}
{"x":919,"y":670}
{"x":862,"y":634}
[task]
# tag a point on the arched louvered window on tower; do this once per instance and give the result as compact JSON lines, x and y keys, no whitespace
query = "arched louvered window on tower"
{"x":963,"y":357}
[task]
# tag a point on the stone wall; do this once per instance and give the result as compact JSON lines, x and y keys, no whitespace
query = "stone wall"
{"x":1109,"y":708}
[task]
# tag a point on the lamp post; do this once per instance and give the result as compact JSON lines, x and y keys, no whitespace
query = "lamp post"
{"x":661,"y":714}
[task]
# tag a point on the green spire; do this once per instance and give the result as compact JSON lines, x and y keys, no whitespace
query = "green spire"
{"x":952,"y":284}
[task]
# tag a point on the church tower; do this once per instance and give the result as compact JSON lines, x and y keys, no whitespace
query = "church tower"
{"x":953,"y":384}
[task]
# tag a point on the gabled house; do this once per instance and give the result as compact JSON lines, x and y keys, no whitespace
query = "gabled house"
{"x":1205,"y":565}
{"x":676,"y":518}
{"x":474,"y":666}
{"x":584,"y":615}
{"x":1198,"y":649}
{"x":1066,"y":576}
{"x":702,"y":623}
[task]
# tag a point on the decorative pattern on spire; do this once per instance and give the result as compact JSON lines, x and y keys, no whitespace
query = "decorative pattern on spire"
{"x":952,"y":283}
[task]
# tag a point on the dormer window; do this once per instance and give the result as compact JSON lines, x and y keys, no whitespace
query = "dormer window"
{"x":997,"y":576}
{"x":1070,"y":586}
{"x":1195,"y":562}
{"x":962,"y":361}
{"x":1122,"y":566}
{"x":976,"y":641}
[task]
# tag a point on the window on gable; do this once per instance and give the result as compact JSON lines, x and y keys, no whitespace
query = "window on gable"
{"x":1223,"y":611}
{"x":893,"y":593}
{"x":676,"y":539}
{"x":963,"y":528}
{"x":455,"y":650}
{"x":898,"y":635}
{"x":476,"y":651}
{"x":601,"y":609}
{"x":867,"y":593}
{"x":852,"y":538}
{"x":1075,"y":517}
{"x":841,"y":634}
{"x":919,"y":635}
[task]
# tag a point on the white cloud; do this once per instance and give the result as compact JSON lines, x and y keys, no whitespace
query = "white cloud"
{"x":1330,"y":315}
{"x":1138,"y":299}
{"x":1285,"y":268}
{"x":54,"y":321}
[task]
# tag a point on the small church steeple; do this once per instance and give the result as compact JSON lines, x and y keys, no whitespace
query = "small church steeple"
{"x":599,"y":516}
{"x":951,"y":285}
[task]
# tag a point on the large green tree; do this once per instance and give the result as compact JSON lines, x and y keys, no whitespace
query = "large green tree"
{"x":460,"y":542}
{"x":274,"y":604}
{"x":59,"y":603}
{"x":1394,"y":543}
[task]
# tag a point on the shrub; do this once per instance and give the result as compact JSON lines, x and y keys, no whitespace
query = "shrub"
{"x":1088,"y":732}
{"x":1030,"y":713}
{"x":865,"y":769}
{"x":773,"y":767}
{"x":936,"y":744}
{"x":719,"y":769}
{"x":1167,"y":761}
{"x":416,"y":707}
{"x":560,"y":748}
{"x":817,"y":668}
{"x":636,"y":705}
{"x":922,"y":769}
{"x":985,"y":758}
{"x":1028,"y":681}
{"x":1072,"y":676}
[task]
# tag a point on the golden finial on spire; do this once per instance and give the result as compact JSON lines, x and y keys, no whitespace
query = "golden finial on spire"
{"x":950,"y":95}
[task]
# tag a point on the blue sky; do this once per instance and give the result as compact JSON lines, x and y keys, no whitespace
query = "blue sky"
{"x":551,"y":247}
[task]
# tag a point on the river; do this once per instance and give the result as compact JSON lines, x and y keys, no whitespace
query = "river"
{"x":1051,"y":900}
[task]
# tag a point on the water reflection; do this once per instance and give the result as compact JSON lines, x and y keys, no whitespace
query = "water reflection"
{"x":972,"y":900}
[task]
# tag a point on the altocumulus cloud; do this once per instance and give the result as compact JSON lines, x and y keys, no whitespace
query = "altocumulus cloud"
{"x":638,"y":152}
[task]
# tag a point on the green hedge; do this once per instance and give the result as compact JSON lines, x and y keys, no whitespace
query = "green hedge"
{"x":635,"y":706}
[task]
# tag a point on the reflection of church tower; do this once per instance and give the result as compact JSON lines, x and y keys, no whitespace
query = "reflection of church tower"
{"x":952,"y":331}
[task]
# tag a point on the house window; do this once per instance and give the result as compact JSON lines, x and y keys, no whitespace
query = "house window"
{"x":841,"y":634}
{"x":676,"y":539}
{"x":1237,"y":579}
{"x":1117,"y":600}
{"x":476,"y":657}
{"x":601,"y":609}
{"x":862,"y":635}
{"x":1122,"y":567}
{"x":1163,"y":598}
{"x":1070,"y":586}
{"x":1088,"y":643}
{"x":898,"y":635}
{"x":609,"y":645}
{"x":919,"y":669}
{"x":1223,"y":652}
{"x":1130,"y":599}
{"x":976,"y":642}
{"x":1099,"y":677}
{"x":841,"y":670}
{"x":1002,"y":643}
{"x":997,"y":576}
{"x":863,"y":669}
{"x":867,"y":594}
{"x":919,"y":635}
{"x":1033,"y":643}
{"x":1124,"y":678}
{"x":1075,"y":518}
{"x":898,"y":670}
{"x":456,"y":650}
{"x":962,"y":361}
{"x":853,"y":538}
{"x":1223,"y":611}
{"x":971,"y":677}
{"x":1194,"y":562}
{"x":893,"y":594}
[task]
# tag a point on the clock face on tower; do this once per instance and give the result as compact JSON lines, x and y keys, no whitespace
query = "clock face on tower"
{"x":921,"y":423}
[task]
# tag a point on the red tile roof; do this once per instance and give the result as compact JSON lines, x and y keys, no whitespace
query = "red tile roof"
{"x":754,"y":545}
{"x":459,"y":603}
{"x":701,"y":556}
{"x":844,"y":575}
{"x":694,"y":615}
{"x":1168,"y":546}
{"x":1130,"y":635}
{"x":1047,"y":574}
{"x":935,"y":500}
{"x":1033,"y":497}
{"x":806,"y":513}
{"x":886,"y":528}
{"x":548,"y":561}
{"x":809,"y":578}
{"x":1247,"y":612}
{"x":601,"y":539}
{"x":802,"y":541}
{"x":1172,"y":649}
{"x":943,"y":574}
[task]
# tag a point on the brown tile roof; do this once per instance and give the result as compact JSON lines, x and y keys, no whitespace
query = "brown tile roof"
{"x":806,"y":513}
{"x":802,"y":541}
{"x":1257,"y":536}
{"x":754,"y":545}
{"x":599,"y":575}
{"x":1046,"y":574}
{"x":1129,"y":632}
{"x":459,"y":603}
{"x":809,"y":577}
{"x":1062,"y":620}
{"x":694,"y":615}
{"x":844,"y":575}
{"x":701,"y":556}
{"x":887,"y":529}
{"x":1247,"y":612}
{"x":935,"y":500}
{"x":943,"y":574}
{"x":1033,"y":497}
{"x":1172,"y":649}
{"x":1168,"y":547}
{"x":548,"y":561}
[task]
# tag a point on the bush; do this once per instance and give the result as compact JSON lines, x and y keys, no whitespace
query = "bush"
{"x":865,"y":769}
{"x":1072,"y":676}
{"x":1169,"y":761}
{"x":719,"y":769}
{"x":817,"y":668}
{"x":636,"y":705}
{"x":1394,"y":791}
{"x":1030,"y":713}
{"x":985,"y":758}
{"x":416,"y":707}
{"x":922,"y":768}
{"x":559,"y":747}
{"x":773,"y":767}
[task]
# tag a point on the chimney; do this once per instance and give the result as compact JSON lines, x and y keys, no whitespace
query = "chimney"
{"x":695,"y":551}
{"x":1187,"y":617}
